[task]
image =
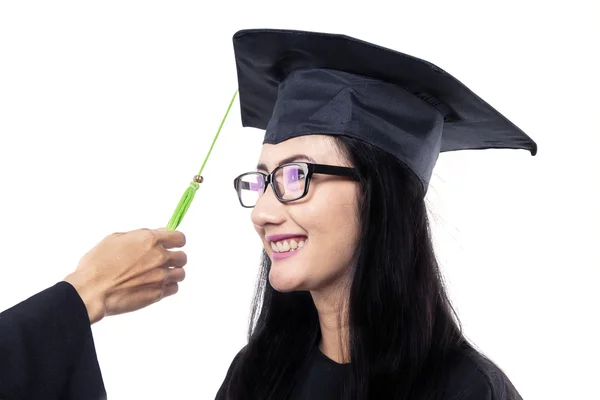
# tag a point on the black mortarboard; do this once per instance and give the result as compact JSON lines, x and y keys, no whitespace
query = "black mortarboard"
{"x":295,"y":83}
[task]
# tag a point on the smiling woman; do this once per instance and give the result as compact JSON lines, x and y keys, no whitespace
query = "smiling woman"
{"x":318,"y":213}
{"x":351,"y":304}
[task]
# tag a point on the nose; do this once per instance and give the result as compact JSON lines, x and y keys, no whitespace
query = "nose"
{"x":268,"y":210}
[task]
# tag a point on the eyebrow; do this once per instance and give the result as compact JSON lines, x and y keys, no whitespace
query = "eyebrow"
{"x":286,"y":160}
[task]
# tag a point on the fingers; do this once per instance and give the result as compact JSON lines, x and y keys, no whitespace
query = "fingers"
{"x":175,"y":259}
{"x":170,"y":289}
{"x":174,"y":275}
{"x":129,"y":300}
{"x":169,"y":239}
{"x":159,"y":255}
{"x":156,"y":276}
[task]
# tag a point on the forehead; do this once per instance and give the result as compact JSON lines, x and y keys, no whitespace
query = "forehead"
{"x":320,"y":149}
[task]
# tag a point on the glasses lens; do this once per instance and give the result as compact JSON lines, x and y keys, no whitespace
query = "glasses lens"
{"x":250,"y":188}
{"x":290,"y":181}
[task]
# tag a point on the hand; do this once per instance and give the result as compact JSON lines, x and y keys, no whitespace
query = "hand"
{"x":129,"y":271}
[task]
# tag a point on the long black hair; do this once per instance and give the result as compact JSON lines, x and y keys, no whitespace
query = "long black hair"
{"x":403,"y":330}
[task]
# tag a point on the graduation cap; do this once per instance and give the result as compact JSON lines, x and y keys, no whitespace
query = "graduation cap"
{"x":293,"y":83}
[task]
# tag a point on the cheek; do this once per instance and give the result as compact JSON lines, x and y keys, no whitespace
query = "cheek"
{"x":329,"y":214}
{"x":332,"y":222}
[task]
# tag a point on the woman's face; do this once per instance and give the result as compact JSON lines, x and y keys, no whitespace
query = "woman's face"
{"x":324,"y":224}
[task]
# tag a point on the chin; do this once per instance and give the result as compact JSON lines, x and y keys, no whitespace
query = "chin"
{"x":285,"y":279}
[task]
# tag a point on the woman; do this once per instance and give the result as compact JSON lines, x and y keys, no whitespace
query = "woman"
{"x":351,"y":302}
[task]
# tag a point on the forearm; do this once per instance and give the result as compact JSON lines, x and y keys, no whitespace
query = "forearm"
{"x":42,"y":341}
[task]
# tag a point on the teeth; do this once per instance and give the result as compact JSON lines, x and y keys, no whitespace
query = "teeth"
{"x":283,"y":246}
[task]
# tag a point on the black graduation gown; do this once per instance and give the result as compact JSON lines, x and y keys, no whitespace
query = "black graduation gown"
{"x":472,"y":377}
{"x":47,"y":350}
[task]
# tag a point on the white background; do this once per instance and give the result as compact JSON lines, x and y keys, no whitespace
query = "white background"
{"x":108,"y":108}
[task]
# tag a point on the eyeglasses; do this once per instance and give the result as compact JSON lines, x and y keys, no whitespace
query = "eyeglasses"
{"x":289,"y":181}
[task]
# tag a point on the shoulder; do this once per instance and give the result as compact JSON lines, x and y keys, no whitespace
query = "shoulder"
{"x":476,"y":377}
{"x":234,"y":363}
{"x":228,"y":374}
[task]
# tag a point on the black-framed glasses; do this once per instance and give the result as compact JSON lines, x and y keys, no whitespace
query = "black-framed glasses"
{"x":289,"y":181}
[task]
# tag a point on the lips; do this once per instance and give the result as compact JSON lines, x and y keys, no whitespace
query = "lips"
{"x":286,"y":245}
{"x":285,"y":236}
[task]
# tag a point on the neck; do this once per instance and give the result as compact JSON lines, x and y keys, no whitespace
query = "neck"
{"x":333,"y":320}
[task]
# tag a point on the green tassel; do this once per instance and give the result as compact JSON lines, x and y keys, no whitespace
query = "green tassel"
{"x":183,"y":206}
{"x":190,"y":192}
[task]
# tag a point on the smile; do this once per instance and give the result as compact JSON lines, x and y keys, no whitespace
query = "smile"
{"x":287,"y":248}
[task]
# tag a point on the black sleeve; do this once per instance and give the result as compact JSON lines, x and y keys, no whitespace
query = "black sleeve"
{"x":47,"y":349}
